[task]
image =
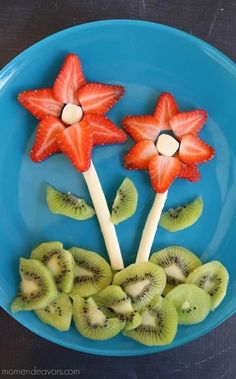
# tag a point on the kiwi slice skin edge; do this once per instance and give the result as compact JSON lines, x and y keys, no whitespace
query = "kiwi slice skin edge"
{"x":179,"y":218}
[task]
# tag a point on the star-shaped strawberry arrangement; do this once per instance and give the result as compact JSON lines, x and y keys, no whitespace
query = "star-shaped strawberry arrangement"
{"x":72,"y":120}
{"x":167,"y":144}
{"x":72,"y":115}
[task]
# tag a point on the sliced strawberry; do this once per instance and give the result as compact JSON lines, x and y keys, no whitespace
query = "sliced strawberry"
{"x":194,"y":150}
{"x":166,"y":108}
{"x":76,"y":143}
{"x":46,"y":138}
{"x":69,"y":80}
{"x":104,"y":131}
{"x":99,"y":98}
{"x":188,"y":122}
{"x":163,"y":171}
{"x":138,"y":157}
{"x":141,"y":127}
{"x":189,"y":172}
{"x":40,"y":102}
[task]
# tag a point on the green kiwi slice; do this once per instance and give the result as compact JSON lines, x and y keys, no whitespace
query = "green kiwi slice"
{"x":59,"y":261}
{"x":213,"y":278}
{"x":92,"y":322}
{"x":37,"y":288}
{"x":119,"y":302}
{"x":141,"y":282}
{"x":191,"y":302}
{"x":92,"y":272}
{"x":125,"y":203}
{"x":182,"y":217}
{"x":159,"y":324}
{"x":58,"y":313}
{"x":177,"y":262}
{"x":67,"y":204}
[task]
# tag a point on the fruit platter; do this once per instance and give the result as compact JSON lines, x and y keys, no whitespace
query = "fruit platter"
{"x":117,"y":190}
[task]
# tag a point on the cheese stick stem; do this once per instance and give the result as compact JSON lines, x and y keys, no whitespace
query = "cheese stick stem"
{"x":150,"y":227}
{"x":104,"y":218}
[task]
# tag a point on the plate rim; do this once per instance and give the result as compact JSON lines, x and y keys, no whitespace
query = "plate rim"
{"x":231,"y":65}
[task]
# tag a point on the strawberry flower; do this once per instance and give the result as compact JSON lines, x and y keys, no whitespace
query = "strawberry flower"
{"x":167,"y":144}
{"x":72,"y":115}
{"x":72,"y":120}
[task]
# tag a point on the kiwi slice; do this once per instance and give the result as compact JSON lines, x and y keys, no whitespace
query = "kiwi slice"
{"x":177,"y":262}
{"x":141,"y":282}
{"x":191,"y":302}
{"x":182,"y":217}
{"x":213,"y":278}
{"x":119,"y":302}
{"x":159,"y":324}
{"x":92,"y":272}
{"x":131,"y":320}
{"x":37,"y":288}
{"x":125,"y":203}
{"x":58,"y":313}
{"x":67,"y":204}
{"x":59,"y":261}
{"x":91,"y":322}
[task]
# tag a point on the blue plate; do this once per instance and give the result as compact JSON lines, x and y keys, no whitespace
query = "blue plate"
{"x":147,"y":59}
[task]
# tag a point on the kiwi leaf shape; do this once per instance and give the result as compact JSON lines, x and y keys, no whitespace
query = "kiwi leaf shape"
{"x":191,"y":302}
{"x":67,"y":204}
{"x":92,"y":272}
{"x":37,"y":288}
{"x":125,"y":203}
{"x":175,"y":219}
{"x":59,"y":261}
{"x":91,"y":322}
{"x":213,"y":278}
{"x":58,"y":313}
{"x":159,"y":324}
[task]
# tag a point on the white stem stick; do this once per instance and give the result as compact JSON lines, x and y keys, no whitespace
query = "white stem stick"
{"x":104,"y":218}
{"x":150,"y":227}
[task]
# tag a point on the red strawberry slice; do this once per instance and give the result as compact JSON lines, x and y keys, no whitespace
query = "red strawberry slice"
{"x":104,"y":131}
{"x":76,"y":143}
{"x":141,"y":127}
{"x":139,"y":155}
{"x":166,"y":108}
{"x":99,"y":98}
{"x":40,"y":103}
{"x":189,"y":172}
{"x":46,"y":138}
{"x":188,"y":122}
{"x":69,"y":80}
{"x":163,"y":171}
{"x":194,"y":150}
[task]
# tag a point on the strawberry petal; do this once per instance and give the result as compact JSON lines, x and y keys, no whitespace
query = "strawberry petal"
{"x":194,"y":150}
{"x":99,"y":98}
{"x":189,"y":172}
{"x":163,"y":171}
{"x":46,"y":138}
{"x":166,"y":108}
{"x":141,"y":127}
{"x":139,"y":155}
{"x":76,"y":143}
{"x":40,"y":103}
{"x":69,"y":80}
{"x":104,"y":131}
{"x":188,"y":122}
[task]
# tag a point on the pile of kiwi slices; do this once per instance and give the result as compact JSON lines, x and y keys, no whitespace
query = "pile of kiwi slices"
{"x":146,"y":301}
